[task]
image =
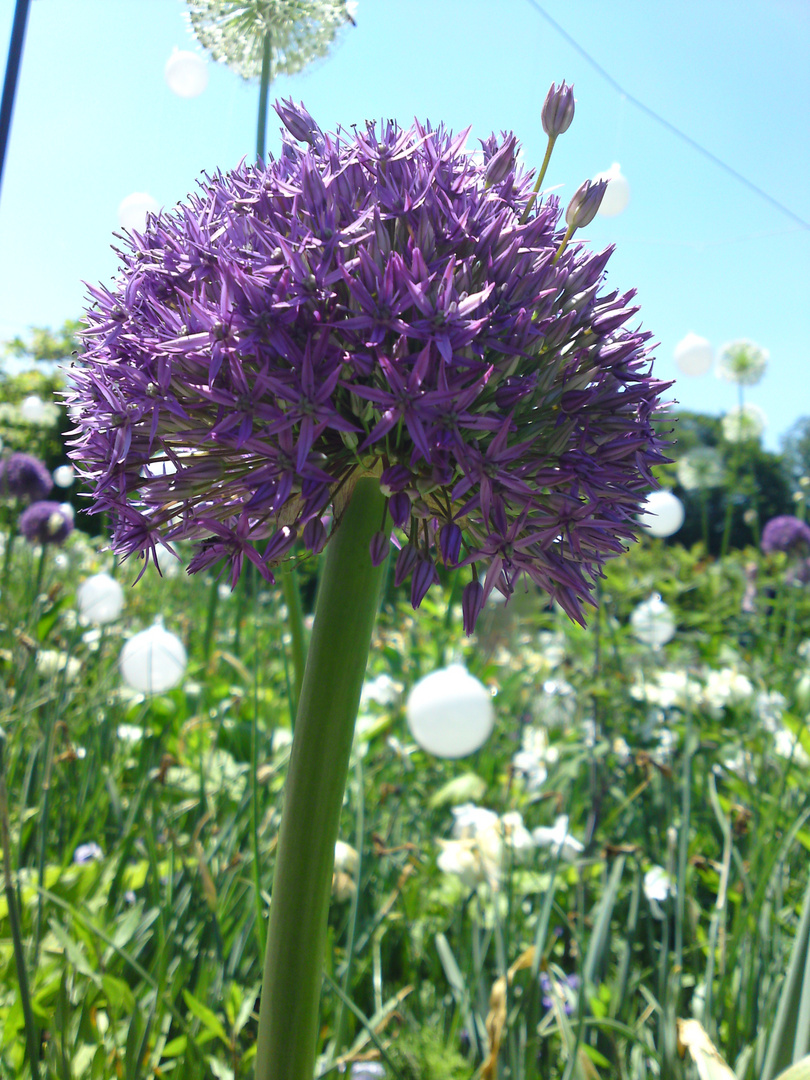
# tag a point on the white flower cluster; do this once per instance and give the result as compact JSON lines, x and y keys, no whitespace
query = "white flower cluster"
{"x":484,"y":845}
{"x":711,"y":691}
{"x":535,"y":752}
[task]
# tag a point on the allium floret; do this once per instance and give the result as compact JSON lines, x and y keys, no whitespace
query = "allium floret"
{"x":373,"y":307}
{"x":786,"y":533}
{"x":46,"y":523}
{"x":23,"y":476}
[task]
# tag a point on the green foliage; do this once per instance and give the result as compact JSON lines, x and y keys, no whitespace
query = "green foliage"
{"x":694,"y":757}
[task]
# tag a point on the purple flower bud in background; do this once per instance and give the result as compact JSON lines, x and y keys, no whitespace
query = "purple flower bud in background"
{"x":424,"y":575}
{"x":472,"y":601}
{"x":405,"y":564}
{"x":785,"y":533}
{"x":314,"y":536}
{"x":558,"y":110}
{"x":501,"y":163}
{"x":450,"y":543}
{"x":85,"y":853}
{"x":378,"y":548}
{"x":46,"y":523}
{"x":300,"y":124}
{"x":399,"y":507}
{"x":23,"y":476}
{"x":585,"y":201}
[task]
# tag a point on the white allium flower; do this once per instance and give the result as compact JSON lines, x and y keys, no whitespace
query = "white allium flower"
{"x":701,"y":469}
{"x":558,"y":839}
{"x":726,"y":687}
{"x":769,"y":706}
{"x":233,"y":31}
{"x":658,"y":885}
{"x":743,"y":425}
{"x":742,"y":362}
{"x":470,"y":820}
{"x":653,"y":622}
{"x":346,"y":858}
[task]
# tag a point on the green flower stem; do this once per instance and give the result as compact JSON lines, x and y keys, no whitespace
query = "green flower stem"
{"x":540,"y":177}
{"x":264,"y":89}
{"x":344,"y":619}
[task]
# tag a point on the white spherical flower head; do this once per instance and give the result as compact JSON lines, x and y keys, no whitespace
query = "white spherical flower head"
{"x":663,"y":513}
{"x":34,"y":410}
{"x":300,"y":31}
{"x":63,"y":476}
{"x":153,"y":661}
{"x":617,"y":195}
{"x":742,"y":362}
{"x":652,"y":622}
{"x":701,"y":469}
{"x":186,"y":73}
{"x":133,"y":209}
{"x":100,"y":599}
{"x":694,"y":355}
{"x":744,"y":424}
{"x":657,"y":884}
{"x":450,"y":713}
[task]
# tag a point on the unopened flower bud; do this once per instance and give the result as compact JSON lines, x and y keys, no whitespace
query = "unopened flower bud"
{"x":472,"y":601}
{"x":300,"y":124}
{"x":500,"y":164}
{"x":585,"y":201}
{"x":558,"y":109}
{"x":378,"y":548}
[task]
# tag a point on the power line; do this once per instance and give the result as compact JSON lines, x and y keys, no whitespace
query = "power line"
{"x":665,"y":123}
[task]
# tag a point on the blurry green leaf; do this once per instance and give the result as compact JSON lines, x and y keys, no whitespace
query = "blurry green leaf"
{"x":207,"y":1017}
{"x":465,"y":788}
{"x":118,"y":993}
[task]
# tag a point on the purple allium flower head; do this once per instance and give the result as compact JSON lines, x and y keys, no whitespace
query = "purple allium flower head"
{"x":376,"y":308}
{"x":45,"y":523}
{"x":558,"y":110}
{"x":786,"y":533}
{"x":23,"y":476}
{"x":585,"y":202}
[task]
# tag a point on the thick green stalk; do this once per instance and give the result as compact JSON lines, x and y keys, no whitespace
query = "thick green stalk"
{"x":344,"y":619}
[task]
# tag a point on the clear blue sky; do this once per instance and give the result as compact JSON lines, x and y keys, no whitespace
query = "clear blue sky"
{"x":94,"y":121}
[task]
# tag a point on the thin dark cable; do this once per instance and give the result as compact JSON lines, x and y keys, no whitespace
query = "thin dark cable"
{"x":665,"y":123}
{"x":15,"y":48}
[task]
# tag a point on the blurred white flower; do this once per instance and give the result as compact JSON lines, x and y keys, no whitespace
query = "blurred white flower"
{"x":558,"y":839}
{"x":658,"y":885}
{"x":100,"y":599}
{"x":347,"y":858}
{"x":129,"y":733}
{"x":530,"y":761}
{"x":724,"y":688}
{"x":382,"y":689}
{"x":652,"y":622}
{"x":769,"y":707}
{"x":743,"y":424}
{"x":153,"y":661}
{"x":669,"y":689}
{"x":90,"y":852}
{"x":462,"y":859}
{"x":51,"y":662}
{"x":742,"y":362}
{"x":787,"y":745}
{"x":36,"y":411}
{"x":299,"y":32}
{"x":471,"y":820}
{"x":693,"y":355}
{"x":557,"y":704}
{"x":63,"y":476}
{"x":662,"y":513}
{"x":701,"y":469}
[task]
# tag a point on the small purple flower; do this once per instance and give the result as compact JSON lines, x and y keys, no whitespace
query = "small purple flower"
{"x":46,"y":523}
{"x":584,"y":203}
{"x":387,"y":303}
{"x":86,"y":853}
{"x":558,"y":110}
{"x":786,"y":533}
{"x":23,"y":476}
{"x":472,"y":601}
